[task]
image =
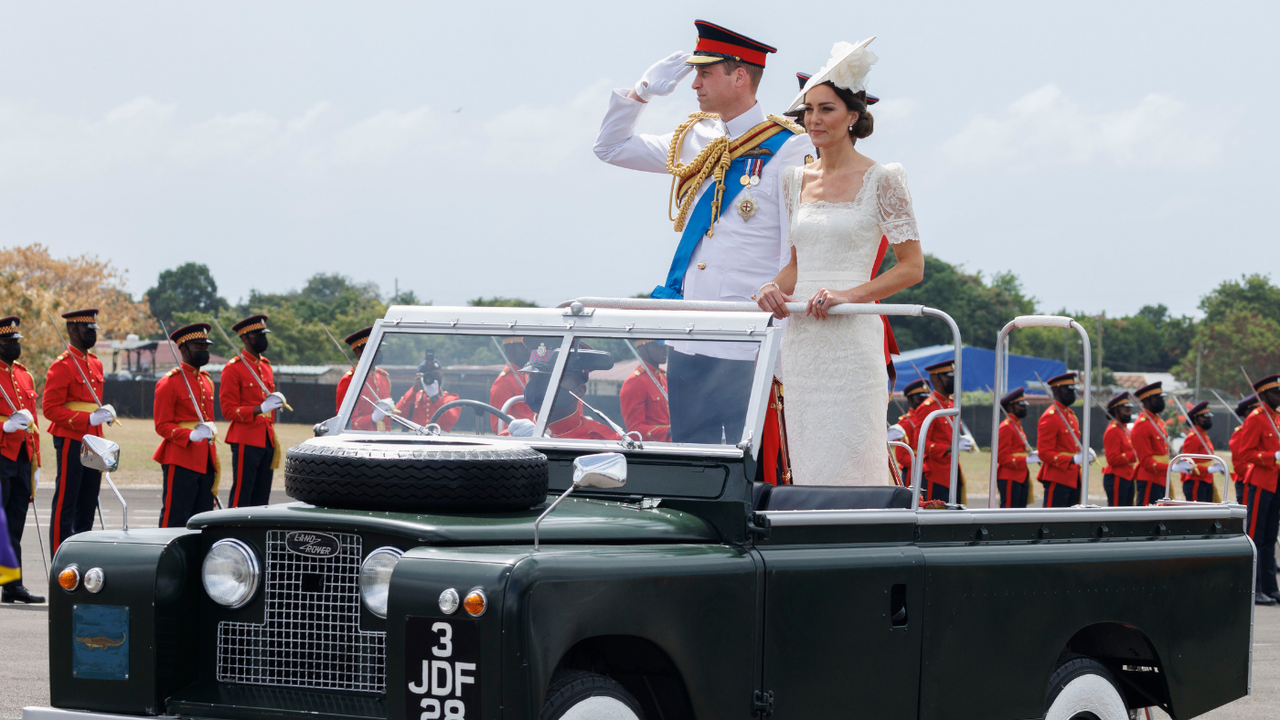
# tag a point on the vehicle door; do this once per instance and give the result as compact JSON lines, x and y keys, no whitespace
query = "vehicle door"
{"x":843,"y":614}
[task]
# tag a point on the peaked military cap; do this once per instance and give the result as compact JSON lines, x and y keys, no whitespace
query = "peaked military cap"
{"x":195,"y":332}
{"x":250,"y":324}
{"x":1013,"y":396}
{"x":1068,"y":378}
{"x":1200,"y":409}
{"x":717,"y":44}
{"x":1270,"y":382}
{"x":579,"y":359}
{"x":941,"y":368}
{"x":9,"y":328}
{"x":1148,"y":391}
{"x":916,"y":387}
{"x":358,"y":338}
{"x":1118,"y":400}
{"x":89,"y":316}
{"x":1244,"y":406}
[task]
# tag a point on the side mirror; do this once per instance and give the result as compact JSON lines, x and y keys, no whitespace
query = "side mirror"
{"x":604,"y":471}
{"x":99,"y":454}
{"x":327,"y":427}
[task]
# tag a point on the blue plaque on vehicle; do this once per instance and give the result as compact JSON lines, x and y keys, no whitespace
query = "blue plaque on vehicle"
{"x":442,"y":668}
{"x":100,"y":642}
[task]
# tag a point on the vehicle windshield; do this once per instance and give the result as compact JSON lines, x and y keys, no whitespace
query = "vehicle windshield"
{"x":648,"y":389}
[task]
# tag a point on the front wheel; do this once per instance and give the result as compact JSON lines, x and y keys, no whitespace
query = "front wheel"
{"x":1082,"y":689}
{"x":578,"y":695}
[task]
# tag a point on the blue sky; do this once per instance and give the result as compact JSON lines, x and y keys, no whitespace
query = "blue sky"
{"x":1111,"y":154}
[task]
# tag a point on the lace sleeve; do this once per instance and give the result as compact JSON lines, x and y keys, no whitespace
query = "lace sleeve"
{"x":791,"y":178}
{"x":897,"y":219}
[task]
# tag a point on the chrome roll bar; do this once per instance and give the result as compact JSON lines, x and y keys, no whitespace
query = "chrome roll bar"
{"x":910,"y":451}
{"x":1023,"y":321}
{"x":1168,"y":474}
{"x":917,"y":467}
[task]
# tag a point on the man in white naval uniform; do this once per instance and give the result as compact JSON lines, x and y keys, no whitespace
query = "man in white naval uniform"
{"x":740,"y":244}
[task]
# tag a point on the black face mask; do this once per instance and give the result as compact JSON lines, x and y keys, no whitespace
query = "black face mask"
{"x":1155,"y":405}
{"x":947,"y":385}
{"x":1204,"y":423}
{"x":1125,"y":416}
{"x":199,"y":358}
{"x":10,"y":351}
{"x":1067,"y":396}
{"x":89,"y":338}
{"x":1018,"y":410}
{"x":259,"y":343}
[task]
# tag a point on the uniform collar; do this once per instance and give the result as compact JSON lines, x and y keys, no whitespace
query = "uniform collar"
{"x":84,"y":355}
{"x":744,"y":122}
{"x":187,"y":368}
{"x":572,"y":421}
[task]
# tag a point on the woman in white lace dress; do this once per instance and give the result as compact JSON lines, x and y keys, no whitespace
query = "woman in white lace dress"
{"x":840,"y":206}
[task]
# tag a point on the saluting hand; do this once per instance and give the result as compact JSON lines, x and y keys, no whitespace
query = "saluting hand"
{"x":661,"y":79}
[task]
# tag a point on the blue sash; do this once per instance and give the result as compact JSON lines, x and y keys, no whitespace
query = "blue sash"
{"x":699,"y":221}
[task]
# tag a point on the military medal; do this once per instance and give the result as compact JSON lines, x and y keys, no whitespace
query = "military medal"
{"x":751,"y":176}
{"x":746,"y":205}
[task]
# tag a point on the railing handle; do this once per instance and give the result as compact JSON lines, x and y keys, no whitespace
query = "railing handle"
{"x":917,"y":466}
{"x":1168,"y":473}
{"x":910,"y":451}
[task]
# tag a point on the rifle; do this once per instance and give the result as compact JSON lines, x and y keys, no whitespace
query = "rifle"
{"x":83,"y":375}
{"x":252,"y":372}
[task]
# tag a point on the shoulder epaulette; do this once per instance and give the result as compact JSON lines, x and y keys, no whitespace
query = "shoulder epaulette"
{"x":637,"y":372}
{"x":380,"y":370}
{"x":264,"y":360}
{"x":788,"y":124}
{"x":19,"y":365}
{"x":1049,"y":411}
{"x":234,"y":360}
{"x":172,"y":371}
{"x":1256,"y":411}
{"x":503,"y":373}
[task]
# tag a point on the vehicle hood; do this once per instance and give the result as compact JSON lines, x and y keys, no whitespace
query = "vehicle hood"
{"x":576,"y":520}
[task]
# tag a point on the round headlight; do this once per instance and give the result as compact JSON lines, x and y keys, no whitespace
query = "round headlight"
{"x":94,"y":579}
{"x":375,"y":578}
{"x":230,"y":573}
{"x":449,"y":601}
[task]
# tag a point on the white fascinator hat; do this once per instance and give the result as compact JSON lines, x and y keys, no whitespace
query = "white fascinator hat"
{"x":847,"y":68}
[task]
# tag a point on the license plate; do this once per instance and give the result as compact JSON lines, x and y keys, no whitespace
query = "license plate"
{"x":442,"y":669}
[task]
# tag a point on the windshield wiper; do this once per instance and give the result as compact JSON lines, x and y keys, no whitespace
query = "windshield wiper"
{"x":624,"y":438}
{"x":431,"y":429}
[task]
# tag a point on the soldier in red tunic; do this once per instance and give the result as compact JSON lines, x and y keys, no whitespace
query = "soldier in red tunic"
{"x":510,"y":382}
{"x":187,"y":453}
{"x":644,"y":394}
{"x":567,"y":416}
{"x":1260,"y":447}
{"x":19,"y":448}
{"x":251,"y":410}
{"x":1012,"y":453}
{"x":906,"y":430}
{"x":1240,"y":466}
{"x":937,"y":449}
{"x":1151,"y":445}
{"x":426,"y":395}
{"x":1059,"y":447}
{"x":72,"y":409}
{"x":377,"y":386}
{"x":1198,"y":485}
{"x":1117,"y":449}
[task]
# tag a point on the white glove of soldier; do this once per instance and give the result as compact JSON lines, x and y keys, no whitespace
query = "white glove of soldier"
{"x":1092,"y":455}
{"x":661,"y":79}
{"x":18,"y":421}
{"x":966,"y":444}
{"x":104,"y":414}
{"x":1278,"y":456}
{"x":203,"y":431}
{"x":521,"y":428}
{"x":35,"y":480}
{"x":382,"y":409}
{"x":1217,"y":468}
{"x":1077,"y":458}
{"x":274,"y":401}
{"x":1182,"y":466}
{"x":896,"y":433}
{"x":1033,"y":458}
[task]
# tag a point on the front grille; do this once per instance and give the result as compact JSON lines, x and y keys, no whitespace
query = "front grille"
{"x":311,"y":636}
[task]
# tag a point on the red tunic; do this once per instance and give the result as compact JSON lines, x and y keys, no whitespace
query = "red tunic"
{"x":908,"y":425}
{"x":376,"y":388}
{"x":172,"y":407}
{"x":21,"y":389}
{"x":1011,"y":457}
{"x":1117,"y":448}
{"x":1239,"y":466}
{"x":644,"y":408}
{"x":1056,"y":434}
{"x":937,"y":448}
{"x":1258,"y":446}
{"x":1151,"y":445}
{"x":417,"y":406}
{"x":506,"y":386}
{"x":241,"y":395}
{"x":63,"y":385}
{"x":1198,"y":444}
{"x":579,"y":427}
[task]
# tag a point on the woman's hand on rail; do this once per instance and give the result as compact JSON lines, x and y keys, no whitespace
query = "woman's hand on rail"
{"x":772,"y":300}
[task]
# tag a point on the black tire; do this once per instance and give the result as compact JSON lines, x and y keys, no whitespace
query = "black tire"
{"x":413,"y":476}
{"x":574,"y":694}
{"x":1082,"y":689}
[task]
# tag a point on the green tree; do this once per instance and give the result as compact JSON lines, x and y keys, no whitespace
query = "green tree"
{"x":1241,"y":327}
{"x":496,"y":301}
{"x":188,"y":288}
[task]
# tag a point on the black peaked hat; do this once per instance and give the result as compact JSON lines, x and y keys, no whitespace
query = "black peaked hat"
{"x":1120,"y":398}
{"x":1201,"y":409}
{"x":1063,"y":380}
{"x":1148,"y":391}
{"x":358,"y":338}
{"x":9,"y":328}
{"x":88,"y":316}
{"x":717,"y":44}
{"x":250,"y":324}
{"x":941,"y":368}
{"x":1270,"y":382}
{"x":579,"y":359}
{"x":916,"y":387}
{"x":1243,"y":407}
{"x":195,"y":332}
{"x":1013,"y":396}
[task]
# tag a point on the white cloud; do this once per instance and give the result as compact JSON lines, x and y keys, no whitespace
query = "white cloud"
{"x":1046,"y":128}
{"x":386,"y":136}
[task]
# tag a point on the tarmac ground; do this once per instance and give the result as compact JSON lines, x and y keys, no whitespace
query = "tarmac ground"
{"x":24,"y":651}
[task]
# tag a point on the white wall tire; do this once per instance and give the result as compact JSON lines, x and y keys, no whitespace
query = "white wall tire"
{"x":1082,"y":689}
{"x":578,"y":695}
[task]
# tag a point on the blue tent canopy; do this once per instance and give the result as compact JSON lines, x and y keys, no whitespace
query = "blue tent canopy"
{"x":978,"y":367}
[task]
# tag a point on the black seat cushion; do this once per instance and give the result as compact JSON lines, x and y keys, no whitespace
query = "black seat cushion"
{"x":760,"y":492}
{"x":818,"y":497}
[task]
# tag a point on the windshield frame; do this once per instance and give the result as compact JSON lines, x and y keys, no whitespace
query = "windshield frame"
{"x":570,"y":327}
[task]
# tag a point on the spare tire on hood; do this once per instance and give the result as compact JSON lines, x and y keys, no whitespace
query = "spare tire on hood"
{"x":417,"y":475}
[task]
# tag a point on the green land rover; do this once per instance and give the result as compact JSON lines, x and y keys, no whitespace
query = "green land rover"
{"x":474,"y":564}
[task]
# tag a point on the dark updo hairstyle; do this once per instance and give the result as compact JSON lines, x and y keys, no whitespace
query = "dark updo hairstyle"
{"x":857,"y":102}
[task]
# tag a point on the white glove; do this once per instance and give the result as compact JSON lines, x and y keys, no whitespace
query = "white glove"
{"x":1077,"y":458}
{"x":274,"y":401}
{"x":521,"y":428}
{"x":382,"y":409}
{"x":35,"y":479}
{"x":966,"y":444}
{"x":104,"y":414}
{"x":18,"y":421}
{"x":1278,"y":456}
{"x":203,"y":431}
{"x":661,"y":79}
{"x":1182,"y":466}
{"x":1033,"y":458}
{"x":1217,"y":469}
{"x":896,"y":433}
{"x":1092,"y":455}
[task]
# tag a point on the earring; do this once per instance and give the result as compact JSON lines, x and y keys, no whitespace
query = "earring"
{"x":850,"y":128}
